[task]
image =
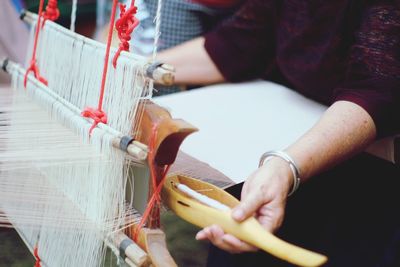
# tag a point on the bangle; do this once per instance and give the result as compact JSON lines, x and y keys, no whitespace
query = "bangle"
{"x":288,"y":159}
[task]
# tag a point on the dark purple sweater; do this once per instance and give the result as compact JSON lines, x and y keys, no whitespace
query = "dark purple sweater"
{"x":326,"y":50}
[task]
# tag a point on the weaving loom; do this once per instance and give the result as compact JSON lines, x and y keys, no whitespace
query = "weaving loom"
{"x":70,"y":173}
{"x":73,"y":178}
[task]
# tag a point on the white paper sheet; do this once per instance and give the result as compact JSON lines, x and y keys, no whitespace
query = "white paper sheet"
{"x":239,"y":122}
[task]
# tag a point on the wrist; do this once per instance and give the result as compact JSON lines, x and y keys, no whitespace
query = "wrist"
{"x":285,"y":168}
{"x":282,"y":170}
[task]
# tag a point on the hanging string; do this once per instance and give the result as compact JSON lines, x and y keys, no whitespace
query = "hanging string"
{"x":98,"y":115}
{"x":125,"y":25}
{"x":37,"y":258}
{"x":155,"y":199}
{"x":157,"y":29}
{"x":73,"y":15}
{"x":32,"y":65}
{"x":51,"y":13}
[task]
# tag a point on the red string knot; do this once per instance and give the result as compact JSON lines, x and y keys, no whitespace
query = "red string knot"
{"x":52,"y":12}
{"x":125,"y":26}
{"x":96,"y":115}
{"x":34,"y":68}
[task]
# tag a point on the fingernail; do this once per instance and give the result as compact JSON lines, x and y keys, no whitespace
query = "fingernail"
{"x":238,"y":214}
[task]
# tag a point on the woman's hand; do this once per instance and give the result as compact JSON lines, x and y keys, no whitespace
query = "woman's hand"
{"x":264,"y":196}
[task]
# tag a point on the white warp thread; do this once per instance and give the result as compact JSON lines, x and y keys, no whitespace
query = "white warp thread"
{"x":63,"y":191}
{"x":73,"y":15}
{"x":73,"y":66}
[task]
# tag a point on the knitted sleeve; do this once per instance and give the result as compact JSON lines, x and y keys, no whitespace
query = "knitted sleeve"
{"x":373,"y":74}
{"x":242,"y":46}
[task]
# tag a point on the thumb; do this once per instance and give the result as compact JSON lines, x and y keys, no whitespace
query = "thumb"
{"x":247,"y":207}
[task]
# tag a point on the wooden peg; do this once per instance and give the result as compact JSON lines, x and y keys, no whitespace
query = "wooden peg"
{"x":130,"y":251}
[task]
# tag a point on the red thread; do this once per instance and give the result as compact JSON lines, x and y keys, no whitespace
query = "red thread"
{"x":125,"y":25}
{"x":98,"y":115}
{"x":36,"y":255}
{"x":156,"y":196}
{"x":95,"y":114}
{"x":33,"y":67}
{"x":52,"y":12}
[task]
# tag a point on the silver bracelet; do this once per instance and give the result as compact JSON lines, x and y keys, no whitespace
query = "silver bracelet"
{"x":288,"y":159}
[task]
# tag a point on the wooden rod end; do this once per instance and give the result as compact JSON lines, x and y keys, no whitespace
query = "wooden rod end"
{"x":22,"y":14}
{"x":161,"y":73}
{"x":4,"y":63}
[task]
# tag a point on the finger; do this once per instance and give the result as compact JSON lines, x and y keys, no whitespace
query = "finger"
{"x":215,"y":235}
{"x":271,"y":216}
{"x":271,"y":224}
{"x":237,"y":244}
{"x":248,"y":206}
{"x":201,"y":235}
{"x":212,"y":233}
{"x":217,"y":238}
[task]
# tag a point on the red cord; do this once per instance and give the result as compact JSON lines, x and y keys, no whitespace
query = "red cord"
{"x":52,"y":12}
{"x":125,"y":25}
{"x":36,"y":255}
{"x":95,"y":114}
{"x":32,"y":66}
{"x":156,"y":196}
{"x":98,"y":114}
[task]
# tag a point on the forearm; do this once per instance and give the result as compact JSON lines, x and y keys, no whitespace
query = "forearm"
{"x":192,"y":63}
{"x":343,"y":130}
